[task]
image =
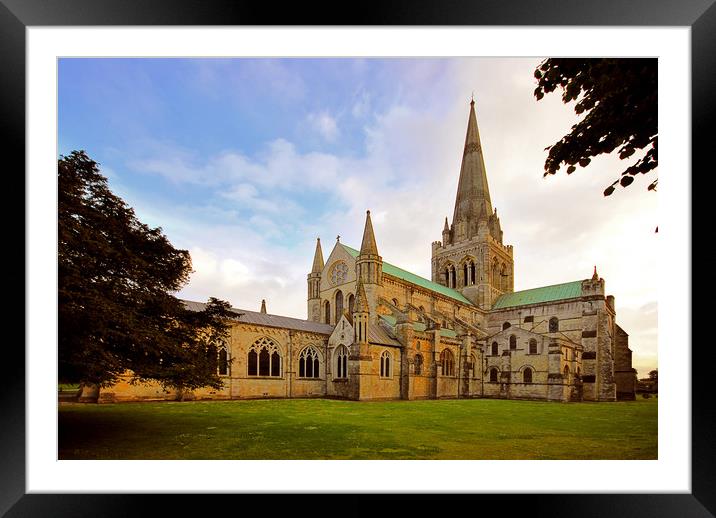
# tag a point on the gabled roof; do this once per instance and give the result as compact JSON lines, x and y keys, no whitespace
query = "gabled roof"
{"x":415,"y":279}
{"x":378,"y":335}
{"x":567,"y":290}
{"x":265,"y":319}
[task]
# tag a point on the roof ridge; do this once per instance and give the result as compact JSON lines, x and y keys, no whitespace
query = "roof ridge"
{"x":256,"y":312}
{"x":546,"y":286}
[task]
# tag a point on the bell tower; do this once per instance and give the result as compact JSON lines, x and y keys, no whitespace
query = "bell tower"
{"x":471,"y":257}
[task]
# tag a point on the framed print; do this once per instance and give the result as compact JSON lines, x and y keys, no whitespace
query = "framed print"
{"x":272,"y":128}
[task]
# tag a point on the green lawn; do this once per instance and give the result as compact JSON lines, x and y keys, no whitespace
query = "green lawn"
{"x":331,"y":429}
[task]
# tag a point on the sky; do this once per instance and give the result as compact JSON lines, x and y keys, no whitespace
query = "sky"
{"x":244,"y":162}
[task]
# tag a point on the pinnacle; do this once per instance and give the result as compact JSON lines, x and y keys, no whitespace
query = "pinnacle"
{"x":318,"y":258}
{"x":368,"y":245}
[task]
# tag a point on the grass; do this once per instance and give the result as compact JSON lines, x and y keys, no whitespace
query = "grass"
{"x":332,"y":429}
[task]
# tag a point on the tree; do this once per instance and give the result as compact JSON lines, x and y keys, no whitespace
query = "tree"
{"x":654,"y":375}
{"x":619,"y":100}
{"x":116,"y":275}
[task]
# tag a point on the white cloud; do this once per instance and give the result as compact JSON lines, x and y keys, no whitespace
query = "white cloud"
{"x":324,"y":124}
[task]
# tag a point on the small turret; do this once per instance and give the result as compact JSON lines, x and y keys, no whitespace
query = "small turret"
{"x":446,"y":233}
{"x":361,"y":313}
{"x":263,"y":306}
{"x":314,"y":284}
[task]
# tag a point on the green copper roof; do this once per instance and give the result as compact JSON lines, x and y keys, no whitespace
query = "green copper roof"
{"x":419,"y":326}
{"x":567,"y":290}
{"x":415,"y":279}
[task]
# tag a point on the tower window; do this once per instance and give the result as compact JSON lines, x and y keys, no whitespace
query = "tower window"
{"x":506,"y":325}
{"x":494,"y":349}
{"x":513,"y":342}
{"x":327,"y":312}
{"x":553,"y":325}
{"x":339,"y":305}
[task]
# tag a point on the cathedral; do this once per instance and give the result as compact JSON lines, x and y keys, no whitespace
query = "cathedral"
{"x":377,"y":332}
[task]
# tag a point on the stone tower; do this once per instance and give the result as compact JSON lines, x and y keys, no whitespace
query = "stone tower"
{"x":314,"y":285}
{"x":369,"y":267}
{"x":471,"y":257}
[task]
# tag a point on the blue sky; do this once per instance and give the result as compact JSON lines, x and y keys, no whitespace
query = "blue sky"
{"x":244,"y":162}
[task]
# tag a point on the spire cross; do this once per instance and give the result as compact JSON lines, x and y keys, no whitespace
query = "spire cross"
{"x":338,"y":238}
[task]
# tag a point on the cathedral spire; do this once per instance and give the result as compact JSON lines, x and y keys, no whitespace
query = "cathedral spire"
{"x":317,"y":258}
{"x":368,"y":246}
{"x":473,"y":194}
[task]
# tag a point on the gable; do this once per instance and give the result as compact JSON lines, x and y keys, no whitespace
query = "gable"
{"x":338,"y":254}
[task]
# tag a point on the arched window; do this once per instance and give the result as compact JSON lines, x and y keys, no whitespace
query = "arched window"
{"x":579,"y":373}
{"x":533,"y":346}
{"x":527,"y":375}
{"x":506,"y":325}
{"x":566,"y":372}
{"x":395,"y":302}
{"x":553,"y":325}
{"x":513,"y":342}
{"x":503,"y":277}
{"x":223,"y":363}
{"x":308,"y":364}
{"x":327,"y":312}
{"x":494,"y":349}
{"x":447,"y":277}
{"x":472,"y":272}
{"x":339,"y":305}
{"x":264,"y":358}
{"x":466,"y":274}
{"x":342,"y":362}
{"x":453,"y":278}
{"x":473,"y":360}
{"x":493,"y":375}
{"x":495,"y":275}
{"x":448,"y":363}
{"x":385,"y":364}
{"x":351,"y":303}
{"x":418,"y":364}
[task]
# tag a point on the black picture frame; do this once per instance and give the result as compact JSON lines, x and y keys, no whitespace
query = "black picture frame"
{"x":16,"y":15}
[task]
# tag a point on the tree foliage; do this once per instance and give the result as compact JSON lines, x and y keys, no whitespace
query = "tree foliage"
{"x":619,"y":99}
{"x":116,"y":276}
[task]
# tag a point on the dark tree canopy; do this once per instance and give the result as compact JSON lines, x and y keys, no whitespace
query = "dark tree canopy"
{"x":116,"y":276}
{"x":619,"y":99}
